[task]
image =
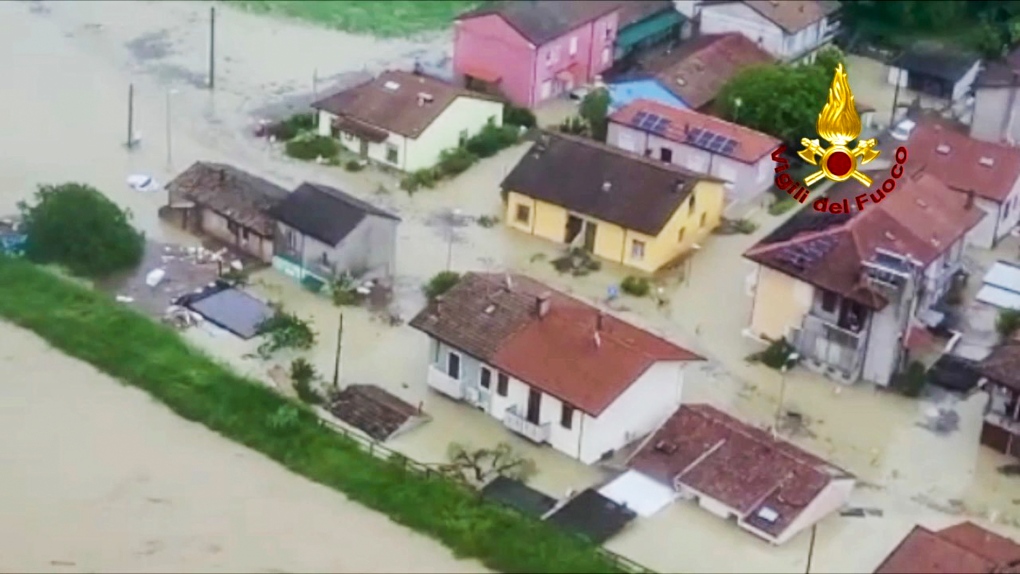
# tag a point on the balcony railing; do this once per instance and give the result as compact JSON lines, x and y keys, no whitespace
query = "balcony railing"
{"x":513,"y":420}
{"x":827,"y":344}
{"x":445,"y":384}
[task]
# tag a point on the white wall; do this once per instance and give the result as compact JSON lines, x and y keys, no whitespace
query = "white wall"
{"x":964,"y":84}
{"x":464,"y":114}
{"x":376,"y":151}
{"x":983,"y":234}
{"x":991,"y":112}
{"x":832,"y":498}
{"x":738,"y":17}
{"x":638,"y":411}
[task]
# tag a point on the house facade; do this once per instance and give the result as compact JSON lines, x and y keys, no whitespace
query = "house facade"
{"x":227,"y":204}
{"x":404,"y":120}
{"x":995,"y":101}
{"x":854,"y":293}
{"x":617,"y":205}
{"x":551,"y":368}
{"x":739,"y":156}
{"x":1001,"y":380}
{"x":938,"y":77}
{"x":790,"y":30}
{"x":531,"y":52}
{"x":323,"y":233}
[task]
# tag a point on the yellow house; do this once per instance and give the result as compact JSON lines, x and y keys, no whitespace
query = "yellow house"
{"x":405,"y":120}
{"x":620,"y":206}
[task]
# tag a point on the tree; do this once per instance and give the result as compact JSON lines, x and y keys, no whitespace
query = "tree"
{"x":777,"y":99}
{"x":594,"y":109}
{"x":1007,"y":323}
{"x":828,"y":58}
{"x":284,"y":330}
{"x":76,"y":226}
{"x":478,"y":466}
{"x":440,"y":283}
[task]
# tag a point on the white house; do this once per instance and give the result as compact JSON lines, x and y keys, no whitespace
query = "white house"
{"x":996,"y":102}
{"x":939,"y":76}
{"x":790,"y":30}
{"x":405,"y":120}
{"x":738,"y":472}
{"x":739,"y":156}
{"x":550,"y":367}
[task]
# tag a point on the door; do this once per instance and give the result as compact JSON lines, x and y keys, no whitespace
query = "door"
{"x":453,"y":366}
{"x":666,"y":154}
{"x":534,"y":406}
{"x":482,"y":387}
{"x":363,"y":148}
{"x":589,"y":236}
{"x":574,"y":225}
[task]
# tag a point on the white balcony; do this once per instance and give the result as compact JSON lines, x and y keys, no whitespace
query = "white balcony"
{"x":445,"y":384}
{"x":514,"y":421}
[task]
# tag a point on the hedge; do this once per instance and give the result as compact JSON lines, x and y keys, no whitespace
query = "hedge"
{"x":128,"y":346}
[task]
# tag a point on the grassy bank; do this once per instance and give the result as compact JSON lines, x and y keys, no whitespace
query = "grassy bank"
{"x":397,"y":18}
{"x":144,"y":354}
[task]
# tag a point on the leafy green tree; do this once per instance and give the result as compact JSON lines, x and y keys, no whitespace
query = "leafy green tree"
{"x":828,"y":58}
{"x":594,"y":109}
{"x":77,"y":227}
{"x":777,"y":99}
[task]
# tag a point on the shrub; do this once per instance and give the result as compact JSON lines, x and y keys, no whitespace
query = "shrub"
{"x":426,"y":177}
{"x":776,"y":354}
{"x":312,"y":148}
{"x":345,"y":291}
{"x":782,"y":205}
{"x":491,"y":140}
{"x":440,"y":283}
{"x":912,"y":380}
{"x":354,"y":165}
{"x":515,"y":116}
{"x":636,"y":286}
{"x":303,"y":375}
{"x":284,"y":331}
{"x":137,"y":351}
{"x":290,"y":128}
{"x":745,"y":226}
{"x":76,"y":226}
{"x":1007,"y":322}
{"x":455,"y":162}
{"x":573,"y":125}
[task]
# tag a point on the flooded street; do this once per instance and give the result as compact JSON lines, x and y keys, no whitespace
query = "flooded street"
{"x":67,"y":71}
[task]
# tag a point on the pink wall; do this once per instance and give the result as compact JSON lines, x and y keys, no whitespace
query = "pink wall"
{"x":489,"y":42}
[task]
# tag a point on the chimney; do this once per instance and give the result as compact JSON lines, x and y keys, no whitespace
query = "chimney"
{"x":542,"y":305}
{"x":598,"y":321}
{"x":606,"y":186}
{"x":439,"y":304}
{"x":969,"y":204}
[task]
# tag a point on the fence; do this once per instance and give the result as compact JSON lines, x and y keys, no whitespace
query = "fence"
{"x":379,"y":451}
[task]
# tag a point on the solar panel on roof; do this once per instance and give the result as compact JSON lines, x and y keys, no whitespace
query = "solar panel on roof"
{"x":650,"y":120}
{"x":638,"y":118}
{"x":693,"y":134}
{"x":729,"y":147}
{"x":660,"y":126}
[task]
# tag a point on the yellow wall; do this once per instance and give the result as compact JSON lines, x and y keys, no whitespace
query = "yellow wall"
{"x":614,"y":243}
{"x":780,"y":302}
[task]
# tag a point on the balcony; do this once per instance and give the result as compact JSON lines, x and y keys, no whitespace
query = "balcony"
{"x":445,"y":384}
{"x":514,"y":421}
{"x":829,"y":346}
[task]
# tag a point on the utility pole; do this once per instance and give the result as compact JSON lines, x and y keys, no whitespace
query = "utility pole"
{"x":169,"y":140}
{"x":131,"y":117}
{"x":336,"y":362}
{"x":315,"y":83}
{"x":811,"y":548}
{"x":212,"y":47}
{"x":787,"y":363}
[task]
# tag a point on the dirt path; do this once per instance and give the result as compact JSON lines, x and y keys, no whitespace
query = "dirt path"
{"x":98,"y":477}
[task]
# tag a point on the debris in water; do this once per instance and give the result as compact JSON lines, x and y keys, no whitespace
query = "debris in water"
{"x":124,"y":299}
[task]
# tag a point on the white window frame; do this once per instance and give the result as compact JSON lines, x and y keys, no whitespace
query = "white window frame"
{"x":396,"y":153}
{"x":637,"y":249}
{"x":573,"y":45}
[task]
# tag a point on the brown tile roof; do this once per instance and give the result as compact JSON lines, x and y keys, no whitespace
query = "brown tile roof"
{"x":542,"y":22}
{"x":572,"y":172}
{"x":922,"y":218}
{"x":391,"y":102}
{"x":372,"y":410}
{"x":791,"y":15}
{"x":556,"y":353}
{"x":698,"y":69}
{"x":741,"y":466}
{"x":239,"y":196}
{"x":1003,"y":365}
{"x":751,"y":145}
{"x":960,"y":167}
{"x":962,"y":549}
{"x":634,"y":11}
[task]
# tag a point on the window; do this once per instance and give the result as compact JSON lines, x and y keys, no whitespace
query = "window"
{"x":680,"y":236}
{"x":666,"y":154}
{"x":523,"y":214}
{"x":606,"y":53}
{"x":552,"y":56}
{"x":324,"y":259}
{"x":291,"y":238}
{"x":567,"y":416}
{"x":462,"y":138}
{"x":502,"y":384}
{"x":244,"y":232}
{"x":828,"y":301}
{"x":609,"y":33}
{"x":486,"y":378}
{"x":1005,"y":212}
{"x":453,"y":365}
{"x":546,"y":89}
{"x":704,"y":216}
{"x":573,"y":45}
{"x":693,"y":204}
{"x":637,"y":250}
{"x":391,"y":153}
{"x":233,"y":227}
{"x":348,"y":136}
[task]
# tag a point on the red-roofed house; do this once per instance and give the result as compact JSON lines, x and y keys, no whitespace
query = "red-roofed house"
{"x":848,"y":289}
{"x":770,"y":487}
{"x":991,"y":170}
{"x":704,"y":144}
{"x":552,"y":368}
{"x":962,"y":549}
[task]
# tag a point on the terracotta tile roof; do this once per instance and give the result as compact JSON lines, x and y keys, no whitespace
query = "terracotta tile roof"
{"x":391,"y":102}
{"x":573,"y":173}
{"x":542,"y":22}
{"x":962,"y":549}
{"x":960,"y":167}
{"x":239,"y":196}
{"x":1003,"y":365}
{"x":699,"y":68}
{"x":372,"y":410}
{"x":556,"y":353}
{"x":741,"y":466}
{"x":751,"y":145}
{"x":922,"y":218}
{"x":790,"y":15}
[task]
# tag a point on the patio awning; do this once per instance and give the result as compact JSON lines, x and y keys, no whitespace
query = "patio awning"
{"x":648,"y":28}
{"x":483,"y":73}
{"x":361,"y":129}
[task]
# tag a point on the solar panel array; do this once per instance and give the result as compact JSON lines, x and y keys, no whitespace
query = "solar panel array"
{"x":804,"y":255}
{"x":711,"y":141}
{"x":651,"y":122}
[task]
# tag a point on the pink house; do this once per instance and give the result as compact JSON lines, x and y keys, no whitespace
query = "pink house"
{"x":533,"y":51}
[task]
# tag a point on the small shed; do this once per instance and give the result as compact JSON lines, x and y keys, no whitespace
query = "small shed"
{"x":593,"y":516}
{"x":519,"y":496}
{"x":936,"y":71}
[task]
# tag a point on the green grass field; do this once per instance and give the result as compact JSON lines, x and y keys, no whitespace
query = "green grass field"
{"x":398,"y":18}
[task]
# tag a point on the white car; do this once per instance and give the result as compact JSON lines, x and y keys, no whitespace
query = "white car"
{"x":903,"y":130}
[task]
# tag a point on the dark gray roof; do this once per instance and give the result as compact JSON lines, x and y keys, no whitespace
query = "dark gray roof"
{"x":519,"y":496}
{"x":938,"y":62}
{"x":325,"y":213}
{"x":540,"y":22}
{"x":593,"y":516}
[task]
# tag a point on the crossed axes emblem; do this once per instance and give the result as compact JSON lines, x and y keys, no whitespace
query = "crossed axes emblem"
{"x":864,"y":151}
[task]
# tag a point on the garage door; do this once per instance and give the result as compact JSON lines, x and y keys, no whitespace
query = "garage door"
{"x":639,"y":493}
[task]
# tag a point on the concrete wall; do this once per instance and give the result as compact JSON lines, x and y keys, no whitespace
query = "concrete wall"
{"x":369,"y":250}
{"x":219,"y":227}
{"x":746,"y":181}
{"x":992,"y":111}
{"x":738,"y":17}
{"x":780,"y":303}
{"x":489,"y":43}
{"x":885,"y":344}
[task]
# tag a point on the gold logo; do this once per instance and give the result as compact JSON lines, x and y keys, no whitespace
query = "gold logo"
{"x":838,"y":124}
